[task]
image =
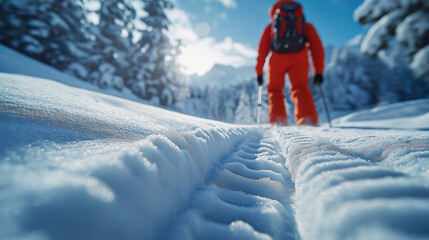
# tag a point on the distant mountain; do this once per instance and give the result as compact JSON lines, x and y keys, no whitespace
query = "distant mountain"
{"x":224,"y":76}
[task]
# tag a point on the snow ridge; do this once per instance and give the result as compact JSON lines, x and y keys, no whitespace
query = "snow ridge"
{"x":135,"y":193}
{"x":75,"y":164}
{"x":247,"y":196}
{"x":344,"y":194}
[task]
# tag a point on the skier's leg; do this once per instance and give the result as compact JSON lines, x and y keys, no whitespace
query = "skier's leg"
{"x":305,"y":109}
{"x":276,"y":83}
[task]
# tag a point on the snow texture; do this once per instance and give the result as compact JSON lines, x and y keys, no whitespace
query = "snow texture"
{"x":352,"y":185}
{"x":414,"y":113}
{"x":76,"y":164}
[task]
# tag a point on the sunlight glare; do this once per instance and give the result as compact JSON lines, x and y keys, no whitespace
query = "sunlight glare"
{"x":194,"y":60}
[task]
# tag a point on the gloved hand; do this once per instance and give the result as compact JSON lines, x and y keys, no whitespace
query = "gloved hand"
{"x":260,"y":80}
{"x":318,"y":79}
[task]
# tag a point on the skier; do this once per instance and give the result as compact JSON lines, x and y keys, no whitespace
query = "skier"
{"x":289,"y":40}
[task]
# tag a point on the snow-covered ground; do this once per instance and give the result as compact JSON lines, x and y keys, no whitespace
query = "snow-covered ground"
{"x":403,"y":115}
{"x":77,"y":164}
{"x":17,"y":63}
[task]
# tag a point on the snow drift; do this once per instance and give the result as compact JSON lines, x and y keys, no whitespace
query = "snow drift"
{"x":79,"y":164}
{"x":75,"y":164}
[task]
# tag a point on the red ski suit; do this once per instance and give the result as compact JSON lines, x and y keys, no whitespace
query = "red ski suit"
{"x":297,"y":66}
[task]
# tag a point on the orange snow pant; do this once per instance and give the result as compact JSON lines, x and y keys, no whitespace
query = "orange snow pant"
{"x":296,"y":65}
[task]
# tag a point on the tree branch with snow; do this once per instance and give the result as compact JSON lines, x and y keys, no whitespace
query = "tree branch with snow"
{"x":406,"y":20}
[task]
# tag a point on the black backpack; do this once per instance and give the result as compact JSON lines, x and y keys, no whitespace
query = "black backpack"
{"x":289,"y":29}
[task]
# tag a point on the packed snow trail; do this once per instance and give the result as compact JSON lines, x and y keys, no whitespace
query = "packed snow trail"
{"x":75,"y":164}
{"x":248,"y":195}
{"x":346,"y":188}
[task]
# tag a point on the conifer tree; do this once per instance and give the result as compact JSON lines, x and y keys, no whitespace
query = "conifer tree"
{"x":106,"y":51}
{"x":114,"y":44}
{"x":54,"y":32}
{"x":158,"y":85}
{"x":244,"y":113}
{"x":408,"y":21}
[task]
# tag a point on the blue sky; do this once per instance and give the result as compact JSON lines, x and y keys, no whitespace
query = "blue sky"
{"x":234,"y":27}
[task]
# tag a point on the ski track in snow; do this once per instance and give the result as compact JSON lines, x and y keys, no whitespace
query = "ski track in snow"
{"x":345,"y":189}
{"x":355,"y":192}
{"x":247,"y":195}
{"x":226,"y":183}
{"x":81,"y":165}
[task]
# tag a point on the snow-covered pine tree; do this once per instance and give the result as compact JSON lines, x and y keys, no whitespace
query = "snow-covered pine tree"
{"x":23,"y":28}
{"x":348,"y":85}
{"x":408,"y":20}
{"x":54,"y":32}
{"x":243,"y":113}
{"x":114,"y":45}
{"x":154,"y":82}
{"x":60,"y":34}
{"x":354,"y":81}
{"x":228,"y":103}
{"x":175,"y":71}
{"x":214,"y":107}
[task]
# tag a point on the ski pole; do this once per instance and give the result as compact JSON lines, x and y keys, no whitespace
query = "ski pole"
{"x":325,"y":105}
{"x":259,"y":104}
